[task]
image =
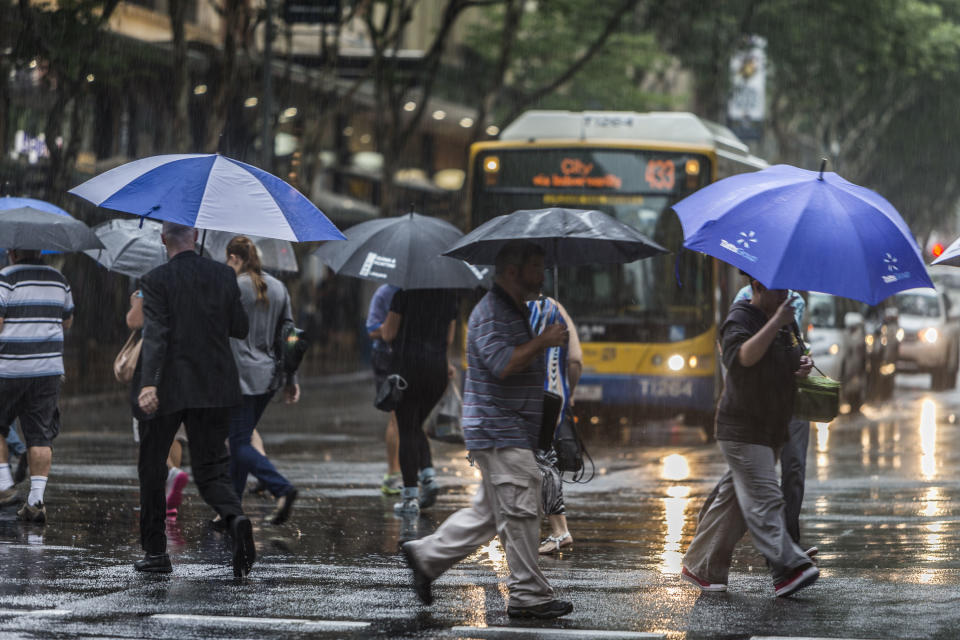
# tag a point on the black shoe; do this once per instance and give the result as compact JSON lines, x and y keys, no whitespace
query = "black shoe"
{"x":154,"y":563}
{"x":544,"y":610}
{"x":218,"y":524}
{"x":421,"y":583}
{"x":284,"y":506}
{"x":21,"y":473}
{"x":244,"y":551}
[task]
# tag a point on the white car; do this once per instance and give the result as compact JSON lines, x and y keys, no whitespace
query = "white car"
{"x":930,"y":337}
{"x":836,"y":337}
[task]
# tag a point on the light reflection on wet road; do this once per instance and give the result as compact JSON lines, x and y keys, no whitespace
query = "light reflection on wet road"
{"x":881,"y":504}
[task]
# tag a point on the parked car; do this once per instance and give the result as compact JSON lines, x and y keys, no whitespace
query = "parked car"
{"x":836,"y":336}
{"x":882,"y":336}
{"x":930,"y":340}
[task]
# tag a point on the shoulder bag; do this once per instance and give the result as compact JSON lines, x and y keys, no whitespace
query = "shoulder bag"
{"x":125,"y":363}
{"x":818,"y":397}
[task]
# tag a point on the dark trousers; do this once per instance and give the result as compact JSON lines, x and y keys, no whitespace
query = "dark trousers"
{"x":427,"y":380}
{"x":793,"y":472}
{"x":207,"y":431}
{"x":244,"y":458}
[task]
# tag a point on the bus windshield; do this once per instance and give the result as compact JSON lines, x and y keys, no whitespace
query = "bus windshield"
{"x":663,"y":299}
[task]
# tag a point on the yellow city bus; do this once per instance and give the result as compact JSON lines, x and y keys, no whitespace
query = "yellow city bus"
{"x":648,"y":328}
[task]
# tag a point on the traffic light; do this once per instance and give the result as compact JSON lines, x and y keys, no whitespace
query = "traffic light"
{"x":937,"y":250}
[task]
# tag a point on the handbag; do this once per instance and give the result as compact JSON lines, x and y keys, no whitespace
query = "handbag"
{"x":443,"y":421}
{"x":125,"y":364}
{"x":552,"y":406}
{"x":390,"y":392}
{"x":294,"y":346}
{"x":568,"y":446}
{"x":818,"y":397}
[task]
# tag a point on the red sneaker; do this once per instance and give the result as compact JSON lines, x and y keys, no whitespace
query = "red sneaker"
{"x":800,"y":579}
{"x":703,"y":585}
{"x":175,"y":496}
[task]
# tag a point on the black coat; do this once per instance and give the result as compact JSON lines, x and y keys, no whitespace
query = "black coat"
{"x":191,"y":309}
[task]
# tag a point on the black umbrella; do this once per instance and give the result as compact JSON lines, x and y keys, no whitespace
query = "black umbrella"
{"x":403,"y":251}
{"x":569,"y":237}
{"x":29,"y":228}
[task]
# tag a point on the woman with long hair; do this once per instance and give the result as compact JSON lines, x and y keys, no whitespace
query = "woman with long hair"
{"x":267,"y":303}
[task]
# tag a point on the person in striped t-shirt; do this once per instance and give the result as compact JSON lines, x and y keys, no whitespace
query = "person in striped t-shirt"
{"x":35,"y":308}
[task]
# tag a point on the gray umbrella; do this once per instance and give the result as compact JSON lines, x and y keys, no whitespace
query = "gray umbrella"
{"x":129,"y":247}
{"x":275,"y":254}
{"x":569,"y":237}
{"x":29,"y":228}
{"x":403,"y":251}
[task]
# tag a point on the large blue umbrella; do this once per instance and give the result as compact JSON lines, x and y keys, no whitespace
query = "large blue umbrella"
{"x":210,"y":191}
{"x":792,"y":228}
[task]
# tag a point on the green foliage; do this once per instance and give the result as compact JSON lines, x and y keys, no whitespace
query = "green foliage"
{"x":551,"y":36}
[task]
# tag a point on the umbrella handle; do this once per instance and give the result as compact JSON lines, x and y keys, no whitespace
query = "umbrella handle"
{"x":823,"y":165}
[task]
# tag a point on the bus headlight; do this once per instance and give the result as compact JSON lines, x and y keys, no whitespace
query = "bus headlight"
{"x":491,"y":164}
{"x":692,"y":362}
{"x":675,"y":362}
{"x":929,"y":335}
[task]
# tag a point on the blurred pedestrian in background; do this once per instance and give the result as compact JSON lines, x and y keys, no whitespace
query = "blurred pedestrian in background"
{"x":36,"y":307}
{"x":191,"y":308}
{"x":380,"y":357}
{"x":564,"y":365}
{"x":502,"y":414}
{"x":267,"y":305}
{"x":419,"y":327}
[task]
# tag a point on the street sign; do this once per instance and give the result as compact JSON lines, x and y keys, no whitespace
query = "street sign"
{"x":312,"y":11}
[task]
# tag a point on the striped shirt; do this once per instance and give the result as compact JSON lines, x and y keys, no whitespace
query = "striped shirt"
{"x":500,"y":412}
{"x":34,"y":301}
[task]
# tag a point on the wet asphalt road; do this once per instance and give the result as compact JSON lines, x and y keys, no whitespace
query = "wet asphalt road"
{"x":882,"y":504}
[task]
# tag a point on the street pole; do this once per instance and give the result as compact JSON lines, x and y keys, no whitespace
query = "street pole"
{"x":266,"y":110}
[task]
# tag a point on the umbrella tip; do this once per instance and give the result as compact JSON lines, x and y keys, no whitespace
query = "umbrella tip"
{"x":823,"y":165}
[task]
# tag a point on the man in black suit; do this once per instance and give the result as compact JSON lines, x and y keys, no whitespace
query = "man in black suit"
{"x":191,"y":308}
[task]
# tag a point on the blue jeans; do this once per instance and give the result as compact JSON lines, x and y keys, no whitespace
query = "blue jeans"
{"x":14,"y":445}
{"x":244,"y":458}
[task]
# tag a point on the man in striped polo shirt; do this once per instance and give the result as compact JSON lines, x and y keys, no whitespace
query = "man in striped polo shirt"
{"x":35,"y":308}
{"x":502,"y":412}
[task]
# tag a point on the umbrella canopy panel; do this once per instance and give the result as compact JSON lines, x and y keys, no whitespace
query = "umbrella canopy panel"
{"x":569,"y":237}
{"x":29,"y":228}
{"x":403,"y":251}
{"x":10,"y":202}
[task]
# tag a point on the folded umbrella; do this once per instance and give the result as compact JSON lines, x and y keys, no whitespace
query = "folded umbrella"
{"x":792,"y":228}
{"x":403,"y":251}
{"x":29,"y":228}
{"x":209,"y":191}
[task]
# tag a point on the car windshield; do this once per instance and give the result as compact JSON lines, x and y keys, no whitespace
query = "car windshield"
{"x":918,"y":305}
{"x":821,"y":310}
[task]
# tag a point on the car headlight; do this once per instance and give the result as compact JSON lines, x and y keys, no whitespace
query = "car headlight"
{"x":900,"y":334}
{"x":675,"y":362}
{"x":929,"y":335}
{"x":834,"y":349}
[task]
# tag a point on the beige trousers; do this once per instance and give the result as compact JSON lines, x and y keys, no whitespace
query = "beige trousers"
{"x":507,"y":505}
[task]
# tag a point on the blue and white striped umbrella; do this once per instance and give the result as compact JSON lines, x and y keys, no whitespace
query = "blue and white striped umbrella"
{"x":210,"y":191}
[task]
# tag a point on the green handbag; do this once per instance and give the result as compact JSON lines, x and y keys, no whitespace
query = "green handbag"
{"x":818,"y":399}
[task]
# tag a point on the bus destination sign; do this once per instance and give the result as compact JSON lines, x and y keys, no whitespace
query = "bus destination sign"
{"x":591,"y":170}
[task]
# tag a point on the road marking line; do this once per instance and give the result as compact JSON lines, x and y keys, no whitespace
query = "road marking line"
{"x":303,"y":623}
{"x":35,"y":612}
{"x":799,"y":638}
{"x":534,"y":632}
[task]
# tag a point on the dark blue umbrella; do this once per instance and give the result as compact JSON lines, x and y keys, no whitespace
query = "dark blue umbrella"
{"x":792,"y":228}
